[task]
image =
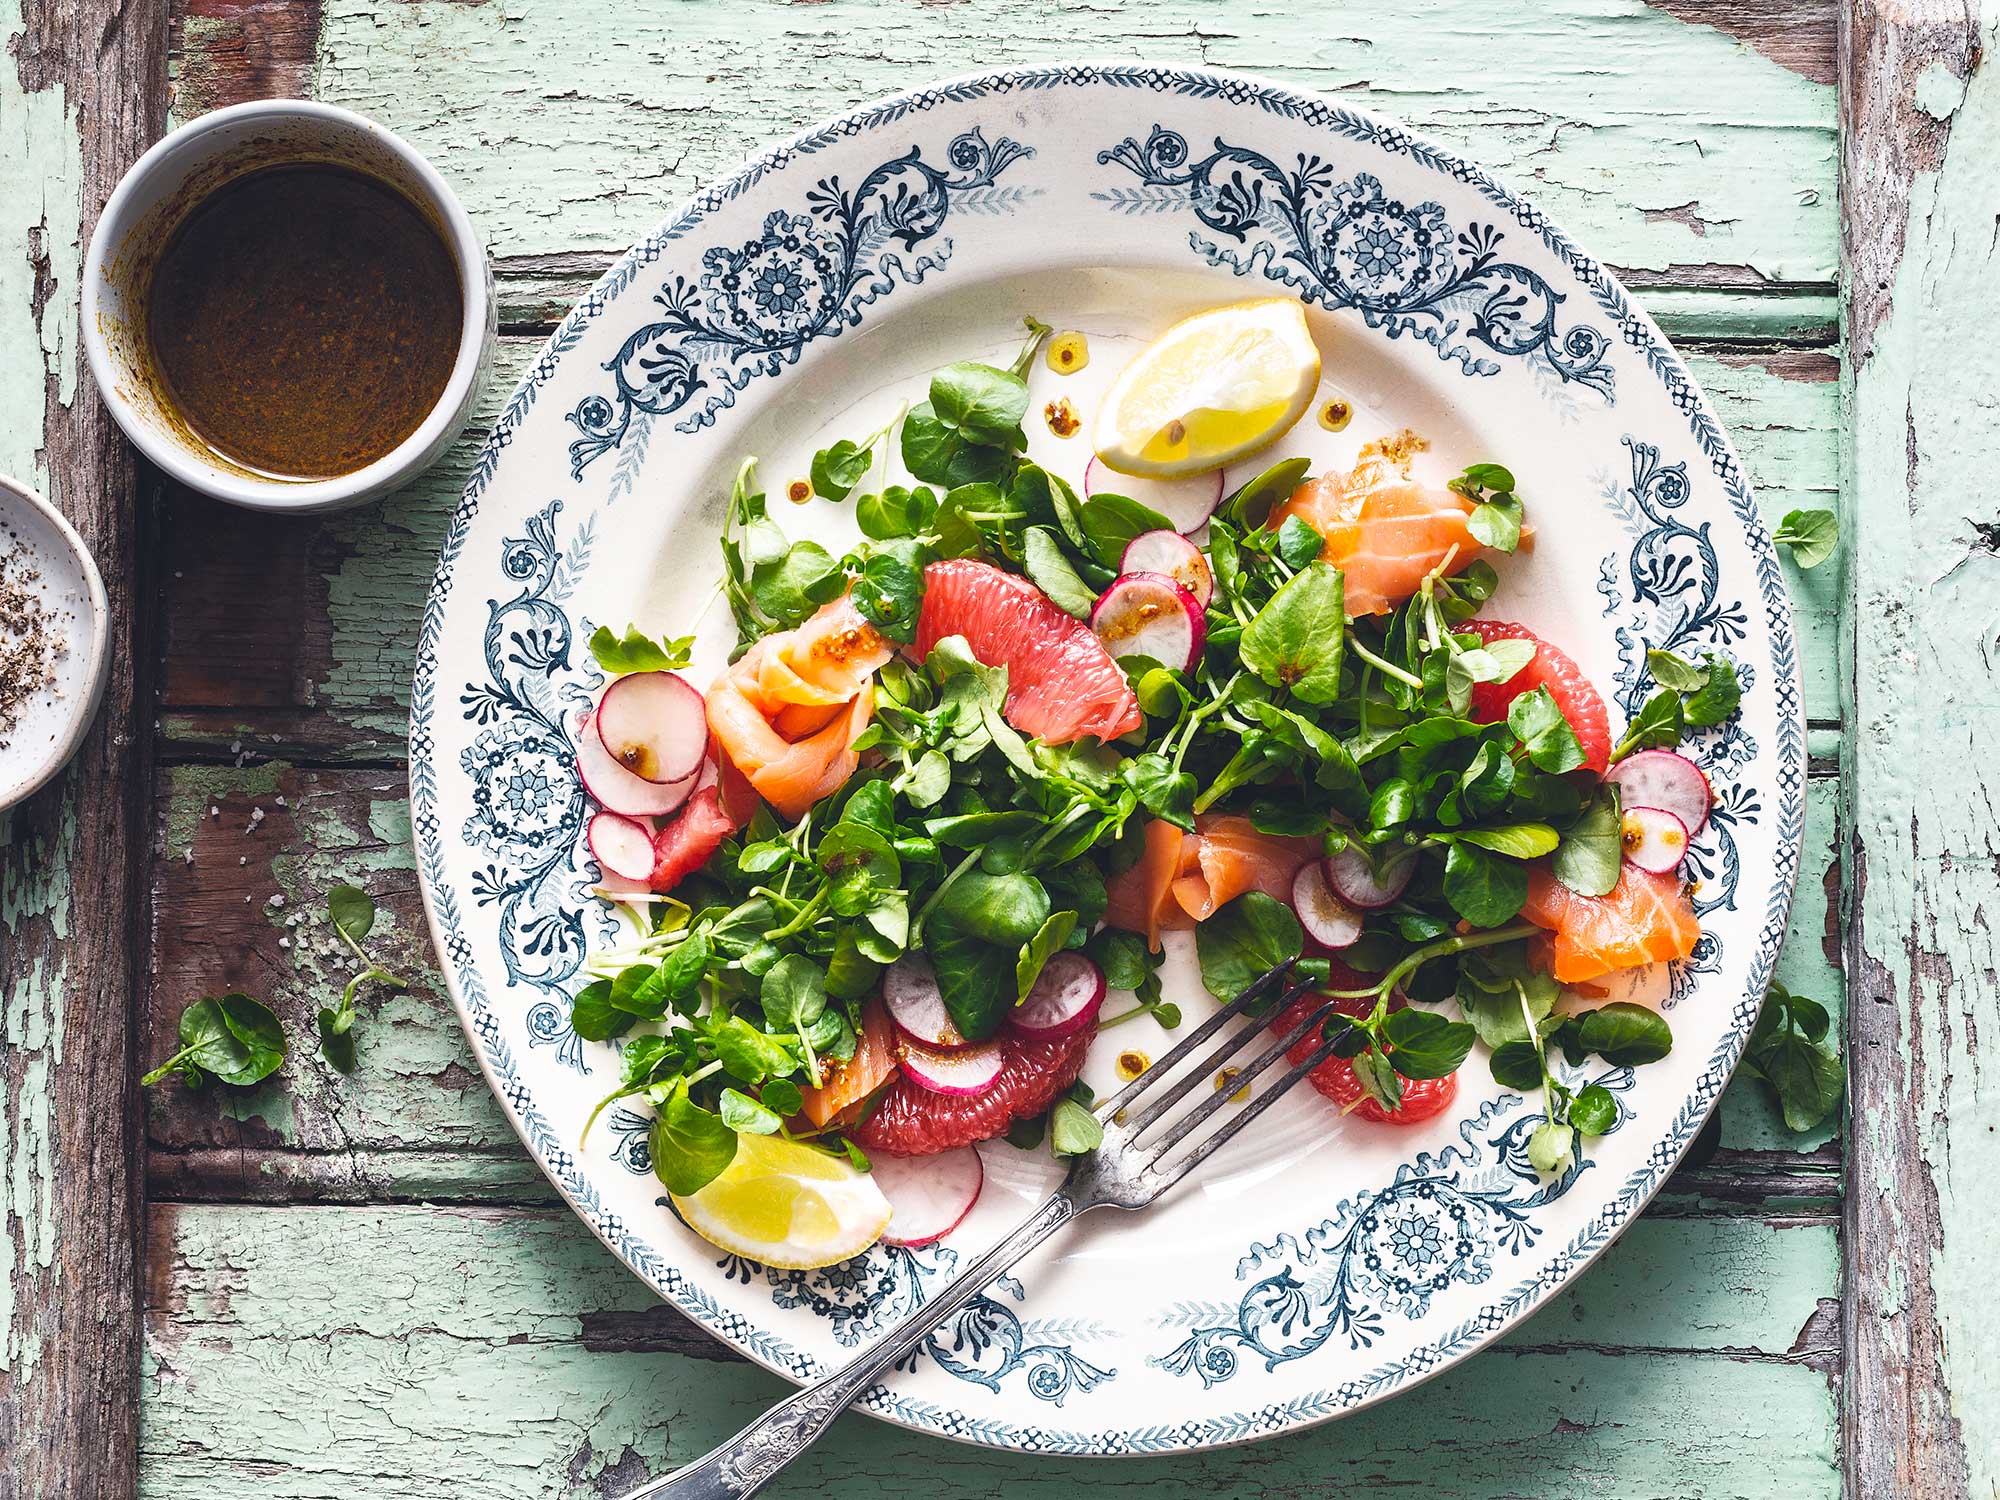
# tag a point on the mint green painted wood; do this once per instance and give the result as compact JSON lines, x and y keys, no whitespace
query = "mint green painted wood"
{"x":500,"y":1354}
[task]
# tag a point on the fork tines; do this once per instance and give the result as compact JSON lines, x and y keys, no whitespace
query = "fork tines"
{"x":1136,"y":1109}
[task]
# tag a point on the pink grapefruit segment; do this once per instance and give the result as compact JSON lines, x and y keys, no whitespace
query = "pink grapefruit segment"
{"x":910,"y":1120}
{"x":1551,"y":669}
{"x":1061,"y":682}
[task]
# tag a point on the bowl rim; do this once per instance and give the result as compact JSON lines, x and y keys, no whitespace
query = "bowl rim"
{"x":83,"y":707}
{"x":392,"y":469}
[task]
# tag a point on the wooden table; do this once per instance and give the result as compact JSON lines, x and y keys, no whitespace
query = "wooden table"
{"x":362,"y":1287}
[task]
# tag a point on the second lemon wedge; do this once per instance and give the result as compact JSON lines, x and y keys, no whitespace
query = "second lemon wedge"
{"x":787,"y":1205}
{"x":1211,"y":389}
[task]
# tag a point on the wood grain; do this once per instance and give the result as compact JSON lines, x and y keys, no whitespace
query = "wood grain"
{"x":79,"y":99}
{"x":1922,"y":125}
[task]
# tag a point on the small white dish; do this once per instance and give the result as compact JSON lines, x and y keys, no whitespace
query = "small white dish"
{"x":51,"y":723}
{"x":180,"y":172}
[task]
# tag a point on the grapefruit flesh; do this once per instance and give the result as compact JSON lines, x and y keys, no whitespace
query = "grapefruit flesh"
{"x":1551,"y":669}
{"x":1061,"y":682}
{"x":910,"y":1120}
{"x":1422,"y":1097}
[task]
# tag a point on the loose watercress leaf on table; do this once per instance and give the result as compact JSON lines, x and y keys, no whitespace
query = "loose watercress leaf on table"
{"x":352,"y":910}
{"x":1592,"y":851}
{"x":232,"y":1038}
{"x":1790,"y":1052}
{"x":1296,"y":640}
{"x":634,"y":652}
{"x":1812,"y":536}
{"x":1240,"y":943}
{"x":690,"y":1146}
{"x":1626,"y":1035}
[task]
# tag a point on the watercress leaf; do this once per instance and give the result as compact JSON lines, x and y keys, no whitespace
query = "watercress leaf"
{"x":782,"y":1096}
{"x":1484,"y":890}
{"x":1122,"y":956}
{"x":1496,"y":522}
{"x":1162,"y":693}
{"x":1226,"y":562}
{"x":1392,"y":804}
{"x":1163,"y":791}
{"x":1516,"y":841}
{"x":1110,"y":522}
{"x":352,"y":910}
{"x":885,"y":928}
{"x":1048,"y":941}
{"x":1375,"y":1073}
{"x":1073,"y":1129}
{"x":1676,"y":672}
{"x":1423,"y":1044}
{"x":837,"y":469}
{"x":1718,"y":698}
{"x":889,"y":593}
{"x":793,"y":992}
{"x":1297,"y":639}
{"x":1298,"y":543}
{"x":857,"y":859}
{"x":791,"y":588}
{"x":1517,"y":1064}
{"x":747,"y":1116}
{"x":762,"y":858}
{"x":1808,"y":1080}
{"x":927,"y":779}
{"x":935,"y":453}
{"x":1490,"y":476}
{"x":690,"y":1146}
{"x":851,"y":974}
{"x":831,"y":1035}
{"x":1809,"y":1016}
{"x":1046,"y":564}
{"x":984,"y":404}
{"x":1027,"y":1133}
{"x":971,"y":830}
{"x":1593,"y":1111}
{"x":336,"y":1042}
{"x":975,"y":978}
{"x":641,"y":1056}
{"x":1250,"y":504}
{"x":1238,"y":944}
{"x":1078,"y":887}
{"x":896,"y":512}
{"x":1592,"y":850}
{"x":1659,"y":723}
{"x":635,"y":652}
{"x":1005,"y":909}
{"x":1551,"y":1148}
{"x":1626,"y":1035}
{"x":594,"y":1018}
{"x":750,"y":1054}
{"x":1541,"y":728}
{"x":1812,"y":536}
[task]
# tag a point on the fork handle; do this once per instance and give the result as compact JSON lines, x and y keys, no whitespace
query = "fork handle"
{"x":746,"y":1463}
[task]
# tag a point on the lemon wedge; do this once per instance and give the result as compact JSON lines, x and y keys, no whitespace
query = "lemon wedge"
{"x":1209,"y":390}
{"x":787,"y":1205}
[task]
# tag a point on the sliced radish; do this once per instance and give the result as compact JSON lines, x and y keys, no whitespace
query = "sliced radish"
{"x":655,"y":725}
{"x":1328,"y":920}
{"x":623,"y":846}
{"x":910,"y":992}
{"x":1357,"y":881}
{"x":1065,"y":999}
{"x":1148,"y":614}
{"x":955,"y":1070}
{"x":1655,"y":840}
{"x":1187,"y":503}
{"x":1170,"y":553}
{"x":1668,"y":781}
{"x":929,"y":1196}
{"x":613,"y":787}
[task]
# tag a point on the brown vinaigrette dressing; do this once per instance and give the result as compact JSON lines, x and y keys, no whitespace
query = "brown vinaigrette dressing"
{"x":304,"y":320}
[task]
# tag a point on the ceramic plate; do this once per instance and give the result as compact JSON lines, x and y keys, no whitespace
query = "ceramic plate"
{"x":1321,"y":1265}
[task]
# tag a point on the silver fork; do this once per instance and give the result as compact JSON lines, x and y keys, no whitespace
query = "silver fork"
{"x":1126,"y":1171}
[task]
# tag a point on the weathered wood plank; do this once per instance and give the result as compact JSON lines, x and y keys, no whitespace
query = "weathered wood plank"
{"x":1658,"y":142}
{"x":1920,"y":267}
{"x":79,"y":99}
{"x":239,"y":902}
{"x":516,"y":1357}
{"x":295,"y":636}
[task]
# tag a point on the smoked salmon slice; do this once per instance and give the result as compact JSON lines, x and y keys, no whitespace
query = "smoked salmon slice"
{"x":1183,"y":878}
{"x":1384,"y":532}
{"x":770,"y":713}
{"x":873,"y":1064}
{"x":1645,"y":919}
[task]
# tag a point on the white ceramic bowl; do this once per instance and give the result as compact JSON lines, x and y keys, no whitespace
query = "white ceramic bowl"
{"x":52,"y":723}
{"x":157,"y":193}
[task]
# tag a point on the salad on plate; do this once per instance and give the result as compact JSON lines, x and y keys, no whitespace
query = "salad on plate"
{"x":890,"y":875}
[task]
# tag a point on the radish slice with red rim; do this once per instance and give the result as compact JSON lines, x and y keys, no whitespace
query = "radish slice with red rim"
{"x":1171,"y":554}
{"x":655,"y":725}
{"x":1655,"y":840}
{"x":1668,"y":781}
{"x":929,"y":1196}
{"x":1186,"y":503}
{"x":613,"y":787}
{"x":955,"y":1070}
{"x":1148,"y":614}
{"x":1065,"y":999}
{"x":622,"y":846}
{"x":1358,"y":881}
{"x":1328,"y":920}
{"x":910,"y":991}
